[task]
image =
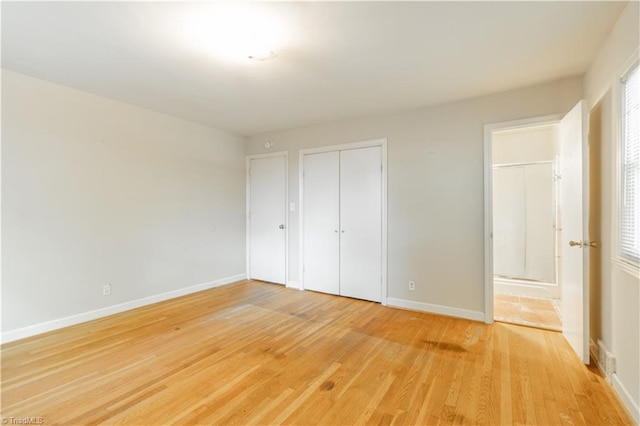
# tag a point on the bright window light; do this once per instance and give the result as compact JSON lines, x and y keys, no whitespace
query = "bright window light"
{"x":630,"y":165}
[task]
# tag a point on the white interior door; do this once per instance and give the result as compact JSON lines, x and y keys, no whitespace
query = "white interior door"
{"x":361,"y":223}
{"x":267,"y":219}
{"x":321,"y":218}
{"x":574,"y":224}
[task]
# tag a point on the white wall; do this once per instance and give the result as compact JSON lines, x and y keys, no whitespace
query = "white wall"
{"x":96,"y":191}
{"x":435,"y":187}
{"x":620,"y":44}
{"x":619,"y":302}
{"x":527,"y":145}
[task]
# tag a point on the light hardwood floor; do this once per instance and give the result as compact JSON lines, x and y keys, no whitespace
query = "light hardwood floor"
{"x":530,"y":311}
{"x":255,"y":353}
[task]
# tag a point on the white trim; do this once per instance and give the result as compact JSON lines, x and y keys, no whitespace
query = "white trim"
{"x":488,"y":199}
{"x":32,"y":330}
{"x":631,"y":61}
{"x":248,"y":159}
{"x":268,"y":154}
{"x":616,"y":129}
{"x":525,"y":122}
{"x":524,"y":163}
{"x":300,"y":219}
{"x":626,"y":267}
{"x":345,"y":146}
{"x":526,"y":288}
{"x":294,"y":284}
{"x":383,"y":299}
{"x":436,"y":309}
{"x":625,"y":397}
{"x":382,"y":142}
{"x":488,"y":225}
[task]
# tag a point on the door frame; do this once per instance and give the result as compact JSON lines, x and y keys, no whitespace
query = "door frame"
{"x":248,"y":159}
{"x":488,"y":197}
{"x":382,"y":143}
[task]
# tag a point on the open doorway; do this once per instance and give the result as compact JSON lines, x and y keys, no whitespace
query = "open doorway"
{"x":526,"y":253}
{"x":571,"y":227}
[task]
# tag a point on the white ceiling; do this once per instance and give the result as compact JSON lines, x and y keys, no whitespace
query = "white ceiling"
{"x":336,"y":60}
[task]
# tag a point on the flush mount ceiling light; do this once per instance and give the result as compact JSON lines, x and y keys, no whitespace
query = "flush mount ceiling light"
{"x":237,"y":32}
{"x":261,"y":56}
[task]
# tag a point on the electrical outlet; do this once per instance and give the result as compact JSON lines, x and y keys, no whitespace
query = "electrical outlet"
{"x":412,"y":285}
{"x":106,"y":289}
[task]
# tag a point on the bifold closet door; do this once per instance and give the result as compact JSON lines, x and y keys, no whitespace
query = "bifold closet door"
{"x":361,"y":223}
{"x":322,"y":222}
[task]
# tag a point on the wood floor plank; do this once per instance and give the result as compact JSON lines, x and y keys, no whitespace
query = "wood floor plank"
{"x":255,"y":353}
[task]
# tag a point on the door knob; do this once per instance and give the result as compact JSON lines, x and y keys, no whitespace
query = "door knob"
{"x":281,"y":226}
{"x":592,"y":244}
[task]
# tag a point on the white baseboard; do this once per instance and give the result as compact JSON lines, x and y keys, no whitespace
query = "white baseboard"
{"x":294,"y":284}
{"x":32,"y":330}
{"x":626,"y":398}
{"x":436,"y":309}
{"x":614,"y":380}
{"x":525,"y":288}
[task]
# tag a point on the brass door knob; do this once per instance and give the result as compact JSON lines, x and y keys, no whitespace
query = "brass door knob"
{"x":592,"y":244}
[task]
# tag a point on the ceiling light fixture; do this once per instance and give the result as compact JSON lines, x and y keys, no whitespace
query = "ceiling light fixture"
{"x":237,"y":32}
{"x":262,"y":56}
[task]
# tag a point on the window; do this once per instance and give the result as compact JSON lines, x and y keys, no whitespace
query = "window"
{"x":630,"y":168}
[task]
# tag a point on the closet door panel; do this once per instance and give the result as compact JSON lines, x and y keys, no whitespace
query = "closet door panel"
{"x":509,"y":223}
{"x":321,"y":222}
{"x":540,"y":233}
{"x":361,"y":223}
